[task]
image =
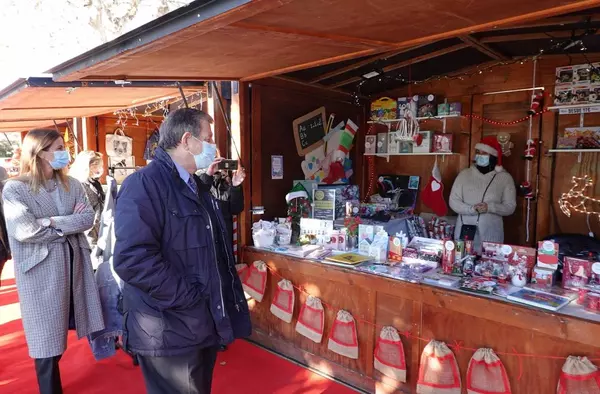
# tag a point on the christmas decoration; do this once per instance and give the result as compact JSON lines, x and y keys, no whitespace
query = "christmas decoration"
{"x":389,"y":354}
{"x":283,"y":301}
{"x":530,"y":149}
{"x":491,"y":146}
{"x":438,"y":370}
{"x":578,"y":376}
{"x":525,"y":190}
{"x":311,"y":319}
{"x":536,"y":102}
{"x":486,"y":374}
{"x":576,"y":199}
{"x":342,"y":338}
{"x":433,"y":193}
{"x":256,"y":280}
{"x":298,"y":208}
{"x":504,"y":141}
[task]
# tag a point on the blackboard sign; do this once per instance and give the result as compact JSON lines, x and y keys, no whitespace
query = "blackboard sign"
{"x":309,"y":131}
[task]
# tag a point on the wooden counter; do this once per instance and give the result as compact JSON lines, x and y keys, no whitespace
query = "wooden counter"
{"x":426,"y":311}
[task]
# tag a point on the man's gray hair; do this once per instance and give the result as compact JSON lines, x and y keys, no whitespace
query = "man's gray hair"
{"x":177,"y":123}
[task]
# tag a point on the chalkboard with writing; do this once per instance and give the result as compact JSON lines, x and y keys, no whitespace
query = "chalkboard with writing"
{"x":309,"y":131}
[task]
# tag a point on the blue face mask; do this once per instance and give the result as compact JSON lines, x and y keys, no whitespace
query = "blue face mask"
{"x":208,"y":155}
{"x":62,"y":158}
{"x":482,"y":160}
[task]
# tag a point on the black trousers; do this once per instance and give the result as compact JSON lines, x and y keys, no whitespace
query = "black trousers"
{"x":48,"y":375}
{"x":187,"y":374}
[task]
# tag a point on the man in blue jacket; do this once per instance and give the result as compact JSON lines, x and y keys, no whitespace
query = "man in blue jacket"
{"x":182,"y":296}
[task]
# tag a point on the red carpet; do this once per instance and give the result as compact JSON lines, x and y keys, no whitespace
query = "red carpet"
{"x":244,"y":368}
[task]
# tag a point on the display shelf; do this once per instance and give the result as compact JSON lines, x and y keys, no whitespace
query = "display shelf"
{"x":578,"y":151}
{"x":442,"y":117}
{"x":387,"y":155}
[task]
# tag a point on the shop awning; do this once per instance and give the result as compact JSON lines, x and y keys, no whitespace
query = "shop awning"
{"x":252,"y":39}
{"x":36,"y":102}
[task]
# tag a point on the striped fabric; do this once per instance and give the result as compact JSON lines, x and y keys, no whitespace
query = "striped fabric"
{"x":235,"y":238}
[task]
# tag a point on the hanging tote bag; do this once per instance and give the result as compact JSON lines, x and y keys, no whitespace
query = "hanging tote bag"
{"x":242,"y":271}
{"x":311,"y":319}
{"x":118,"y":145}
{"x":255,"y":282}
{"x":342,"y":337}
{"x":578,"y":376}
{"x":283,"y":302}
{"x":389,"y":355}
{"x":438,"y":370}
{"x":486,"y":374}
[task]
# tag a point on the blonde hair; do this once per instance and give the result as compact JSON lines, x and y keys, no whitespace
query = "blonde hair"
{"x":35,"y":142}
{"x":80,"y":169}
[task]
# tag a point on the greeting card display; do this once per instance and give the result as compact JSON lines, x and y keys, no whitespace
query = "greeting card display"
{"x":547,"y":255}
{"x":510,"y":254}
{"x":442,"y":143}
{"x":576,"y":273}
{"x":371,"y":144}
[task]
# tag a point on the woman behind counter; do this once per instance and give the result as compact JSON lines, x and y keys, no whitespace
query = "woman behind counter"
{"x":482,"y":194}
{"x":87,"y":169}
{"x":46,"y":215}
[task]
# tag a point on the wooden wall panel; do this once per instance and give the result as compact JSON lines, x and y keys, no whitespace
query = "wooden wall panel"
{"x":427,"y":312}
{"x":274,"y":108}
{"x":555,"y":170}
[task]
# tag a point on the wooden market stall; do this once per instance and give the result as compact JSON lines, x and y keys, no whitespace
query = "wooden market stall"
{"x":294,"y":57}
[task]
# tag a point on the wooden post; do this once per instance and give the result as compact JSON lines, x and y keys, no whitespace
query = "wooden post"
{"x":245,"y":146}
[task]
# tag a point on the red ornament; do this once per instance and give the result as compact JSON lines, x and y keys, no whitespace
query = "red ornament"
{"x":536,"y":102}
{"x":526,"y":190}
{"x":530,"y":149}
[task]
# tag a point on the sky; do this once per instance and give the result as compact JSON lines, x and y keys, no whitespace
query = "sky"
{"x":36,"y":35}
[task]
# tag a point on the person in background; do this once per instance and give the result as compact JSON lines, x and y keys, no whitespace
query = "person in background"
{"x":483,"y":193}
{"x":46,"y":215}
{"x":87,"y":169}
{"x":182,"y":295}
{"x":228,"y":192}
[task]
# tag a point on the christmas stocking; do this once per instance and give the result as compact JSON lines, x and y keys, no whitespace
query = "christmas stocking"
{"x":433,"y":194}
{"x":348,"y":136}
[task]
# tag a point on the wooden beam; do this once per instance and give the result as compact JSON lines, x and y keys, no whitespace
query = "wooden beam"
{"x":225,"y":19}
{"x":532,"y":16}
{"x":527,"y":37}
{"x":555,"y":21}
{"x":406,"y":63}
{"x":313,"y":85}
{"x":363,"y":63}
{"x":486,"y":50}
{"x":355,"y":42}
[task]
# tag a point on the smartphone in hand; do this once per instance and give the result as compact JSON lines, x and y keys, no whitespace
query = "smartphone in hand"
{"x":228,"y":164}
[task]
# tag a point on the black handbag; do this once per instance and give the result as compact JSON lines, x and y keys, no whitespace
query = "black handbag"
{"x":468,"y":231}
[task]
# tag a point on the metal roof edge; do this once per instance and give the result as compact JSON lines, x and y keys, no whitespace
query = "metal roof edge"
{"x":172,"y":22}
{"x":13,"y":88}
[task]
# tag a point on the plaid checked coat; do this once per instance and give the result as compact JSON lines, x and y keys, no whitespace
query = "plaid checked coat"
{"x":42,"y":266}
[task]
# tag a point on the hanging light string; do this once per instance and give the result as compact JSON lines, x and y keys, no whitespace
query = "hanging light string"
{"x":564,"y":46}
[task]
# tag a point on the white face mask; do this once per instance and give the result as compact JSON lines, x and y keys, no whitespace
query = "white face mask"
{"x":482,"y":160}
{"x":207,"y":156}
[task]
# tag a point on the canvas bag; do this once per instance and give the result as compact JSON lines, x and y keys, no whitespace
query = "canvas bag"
{"x":389,"y":354}
{"x":578,"y":376}
{"x":486,"y":374}
{"x":255,"y":281}
{"x":283,"y":302}
{"x":118,"y":145}
{"x":438,"y":370}
{"x":342,"y":337}
{"x":242,"y":271}
{"x":311,"y":319}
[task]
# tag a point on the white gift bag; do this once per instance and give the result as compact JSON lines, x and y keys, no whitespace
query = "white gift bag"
{"x":311,"y":320}
{"x":389,"y":356}
{"x":438,"y":370}
{"x":578,"y":376}
{"x":255,"y":281}
{"x":118,"y":144}
{"x":283,"y":302}
{"x":342,"y":338}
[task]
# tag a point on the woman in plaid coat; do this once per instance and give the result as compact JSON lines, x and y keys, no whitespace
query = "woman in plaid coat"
{"x":46,"y":215}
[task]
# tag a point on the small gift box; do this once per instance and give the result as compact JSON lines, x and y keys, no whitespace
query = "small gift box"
{"x":442,"y":143}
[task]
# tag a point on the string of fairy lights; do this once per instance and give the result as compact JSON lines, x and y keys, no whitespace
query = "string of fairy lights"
{"x":575,"y":42}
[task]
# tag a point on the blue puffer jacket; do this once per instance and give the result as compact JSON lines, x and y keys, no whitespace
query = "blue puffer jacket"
{"x":178,"y":295}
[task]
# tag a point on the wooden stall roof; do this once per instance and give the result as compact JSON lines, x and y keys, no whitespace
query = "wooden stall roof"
{"x":253,"y":39}
{"x":36,"y":102}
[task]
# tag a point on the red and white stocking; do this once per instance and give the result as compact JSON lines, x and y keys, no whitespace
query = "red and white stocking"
{"x":433,"y":193}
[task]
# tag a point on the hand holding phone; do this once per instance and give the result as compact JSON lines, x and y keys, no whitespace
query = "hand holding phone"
{"x":227,"y":164}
